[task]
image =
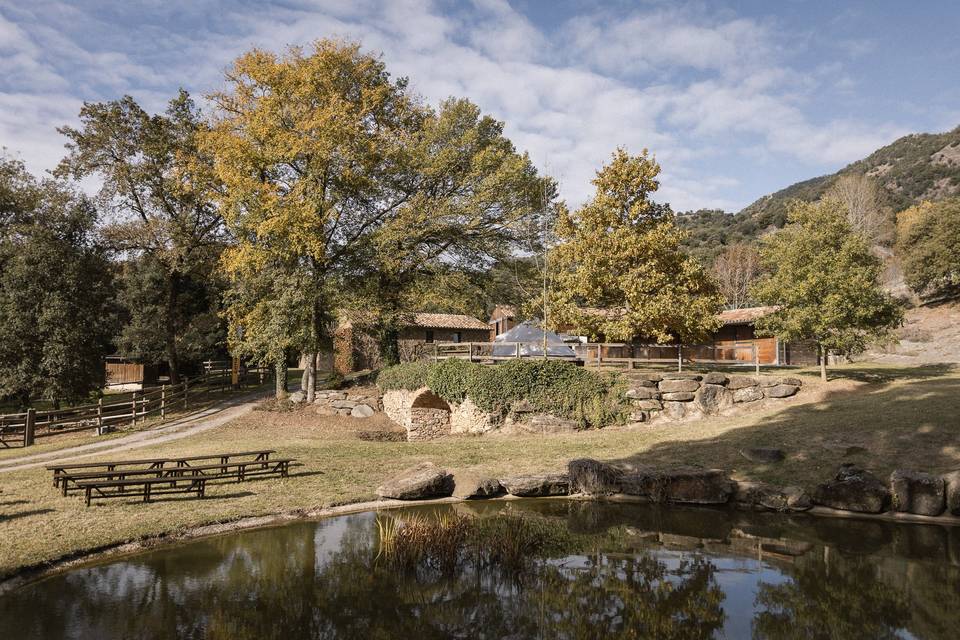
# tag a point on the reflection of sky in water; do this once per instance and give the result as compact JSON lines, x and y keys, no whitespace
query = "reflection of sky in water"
{"x":182,"y":586}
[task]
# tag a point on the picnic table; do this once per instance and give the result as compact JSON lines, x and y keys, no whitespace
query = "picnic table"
{"x":61,"y":469}
{"x":152,"y":476}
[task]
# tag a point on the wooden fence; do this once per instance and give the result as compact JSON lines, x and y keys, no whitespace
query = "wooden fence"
{"x":22,"y":429}
{"x":604,"y":355}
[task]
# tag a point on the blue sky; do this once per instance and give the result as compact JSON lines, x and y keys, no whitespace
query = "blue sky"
{"x":736,"y":99}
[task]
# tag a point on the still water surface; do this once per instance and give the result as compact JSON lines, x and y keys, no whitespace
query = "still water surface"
{"x":624,"y":571}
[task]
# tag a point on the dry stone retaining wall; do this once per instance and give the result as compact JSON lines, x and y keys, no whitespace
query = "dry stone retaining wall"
{"x":684,"y":396}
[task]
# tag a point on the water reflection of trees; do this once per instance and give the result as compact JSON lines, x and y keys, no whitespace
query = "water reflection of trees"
{"x":288,"y":583}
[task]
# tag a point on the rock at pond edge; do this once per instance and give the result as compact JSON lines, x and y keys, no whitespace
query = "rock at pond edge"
{"x":426,"y":480}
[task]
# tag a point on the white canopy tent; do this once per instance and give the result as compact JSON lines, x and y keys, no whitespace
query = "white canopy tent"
{"x":531,"y":339}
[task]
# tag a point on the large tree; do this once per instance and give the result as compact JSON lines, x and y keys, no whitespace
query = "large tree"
{"x":928,"y":245}
{"x":56,"y":311}
{"x":825,"y":283}
{"x":339,"y":179}
{"x":866,"y":211}
{"x":619,"y":269}
{"x":159,"y":189}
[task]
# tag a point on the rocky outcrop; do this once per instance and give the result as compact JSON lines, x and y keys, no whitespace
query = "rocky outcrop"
{"x":541,"y":485}
{"x":853,"y":489}
{"x":593,"y":477}
{"x":917,"y":492}
{"x":689,"y":486}
{"x":763,"y":496}
{"x":346,"y":402}
{"x":468,"y":486}
{"x":951,"y":488}
{"x":426,"y":480}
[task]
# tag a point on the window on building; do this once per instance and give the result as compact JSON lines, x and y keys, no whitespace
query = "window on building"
{"x":457,"y":337}
{"x":429,"y":335}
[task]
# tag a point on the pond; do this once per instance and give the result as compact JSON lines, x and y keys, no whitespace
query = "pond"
{"x":523,"y":569}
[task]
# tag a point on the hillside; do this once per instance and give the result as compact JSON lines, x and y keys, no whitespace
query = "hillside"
{"x":921,"y":166}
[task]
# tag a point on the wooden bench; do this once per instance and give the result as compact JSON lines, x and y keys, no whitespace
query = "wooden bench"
{"x":239,"y":470}
{"x":146,"y":487}
{"x":61,"y":469}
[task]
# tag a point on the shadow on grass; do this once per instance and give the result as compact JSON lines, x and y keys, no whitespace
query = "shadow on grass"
{"x":23,"y":514}
{"x":910,"y":425}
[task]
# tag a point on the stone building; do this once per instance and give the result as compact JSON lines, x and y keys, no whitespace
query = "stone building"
{"x":355,"y":350}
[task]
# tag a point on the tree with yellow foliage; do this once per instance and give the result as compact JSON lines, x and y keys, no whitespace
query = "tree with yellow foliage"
{"x":619,"y":269}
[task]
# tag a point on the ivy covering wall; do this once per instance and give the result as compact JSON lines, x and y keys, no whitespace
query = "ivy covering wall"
{"x":549,"y":386}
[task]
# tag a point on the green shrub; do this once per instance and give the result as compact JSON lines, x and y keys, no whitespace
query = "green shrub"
{"x":408,"y":375}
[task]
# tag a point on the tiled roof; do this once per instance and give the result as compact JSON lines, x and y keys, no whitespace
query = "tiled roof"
{"x":447,"y":321}
{"x":503,"y":311}
{"x":745,"y":316}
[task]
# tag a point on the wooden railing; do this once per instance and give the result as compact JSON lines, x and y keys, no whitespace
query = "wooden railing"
{"x":22,"y":429}
{"x":599,"y":354}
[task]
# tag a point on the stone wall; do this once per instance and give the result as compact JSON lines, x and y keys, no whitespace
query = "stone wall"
{"x":467,"y":417}
{"x":356,"y":403}
{"x":686,"y":396}
{"x":427,"y":423}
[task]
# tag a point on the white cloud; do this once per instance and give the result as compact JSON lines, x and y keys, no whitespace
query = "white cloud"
{"x":702,"y":91}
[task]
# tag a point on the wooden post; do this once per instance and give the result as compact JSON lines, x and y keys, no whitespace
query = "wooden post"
{"x":163,"y":402}
{"x":100,"y":416}
{"x":28,"y":427}
{"x":756,"y":358}
{"x":679,"y":357}
{"x":517,"y":350}
{"x":599,"y":355}
{"x":186,"y":383}
{"x":470,"y":351}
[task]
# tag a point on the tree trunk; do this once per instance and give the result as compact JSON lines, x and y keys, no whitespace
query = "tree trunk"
{"x":173,"y":357}
{"x":280,"y":370}
{"x":311,"y":374}
{"x":389,"y":345}
{"x":823,"y":362}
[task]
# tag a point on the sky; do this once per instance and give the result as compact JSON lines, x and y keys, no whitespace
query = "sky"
{"x":735,"y":99}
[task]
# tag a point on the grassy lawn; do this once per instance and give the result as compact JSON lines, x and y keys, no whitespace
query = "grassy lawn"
{"x":879,"y":417}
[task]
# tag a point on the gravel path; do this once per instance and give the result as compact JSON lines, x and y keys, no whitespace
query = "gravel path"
{"x":191,"y":424}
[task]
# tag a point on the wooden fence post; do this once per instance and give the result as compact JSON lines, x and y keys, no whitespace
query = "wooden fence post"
{"x":679,"y":357}
{"x":163,"y":402}
{"x":186,"y":383}
{"x":28,"y":427}
{"x":100,"y":416}
{"x":756,"y":358}
{"x":133,"y":410}
{"x":517,"y":350}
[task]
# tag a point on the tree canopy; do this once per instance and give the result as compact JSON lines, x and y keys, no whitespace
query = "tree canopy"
{"x":825,"y":282}
{"x":928,"y":245}
{"x":159,"y":189}
{"x":619,"y":271}
{"x":56,"y":300}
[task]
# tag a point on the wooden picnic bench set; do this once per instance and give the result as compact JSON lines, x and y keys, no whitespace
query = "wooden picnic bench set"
{"x":158,"y":476}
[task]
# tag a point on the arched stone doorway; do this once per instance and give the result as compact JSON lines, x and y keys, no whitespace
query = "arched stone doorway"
{"x":429,"y":417}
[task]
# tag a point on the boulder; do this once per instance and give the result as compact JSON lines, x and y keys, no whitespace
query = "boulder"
{"x":426,"y":480}
{"x":796,"y":382}
{"x":679,"y":410}
{"x":593,"y":477}
{"x":362,"y":411}
{"x":638,"y":416}
{"x":741,"y":382}
{"x":679,"y":396}
{"x":343,"y":404}
{"x":297,"y":397}
{"x":689,"y":486}
{"x":716,"y":378}
{"x":853,"y":489}
{"x":760,"y":495}
{"x":768,"y":381}
{"x":747,"y":394}
{"x":324,"y":410}
{"x":681,"y":375}
{"x":647,"y":405}
{"x":644,"y":379}
{"x":780,"y":391}
{"x":917,"y":492}
{"x":951,"y":487}
{"x":546,"y":423}
{"x":545,"y":484}
{"x":713,"y":398}
{"x":677,"y":386}
{"x":469,"y":487}
{"x":763,"y":454}
{"x":643,"y":393}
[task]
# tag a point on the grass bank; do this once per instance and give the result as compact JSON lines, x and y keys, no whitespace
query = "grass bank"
{"x":879,"y":417}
